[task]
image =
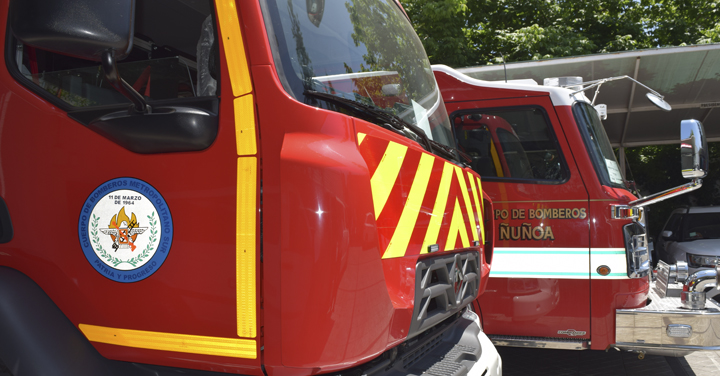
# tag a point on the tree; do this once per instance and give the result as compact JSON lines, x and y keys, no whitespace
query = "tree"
{"x":477,"y":32}
{"x":657,"y":168}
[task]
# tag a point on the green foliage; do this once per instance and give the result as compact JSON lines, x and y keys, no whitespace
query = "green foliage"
{"x":657,"y":168}
{"x":477,"y":32}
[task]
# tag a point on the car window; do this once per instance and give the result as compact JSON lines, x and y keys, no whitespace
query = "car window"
{"x":173,"y":56}
{"x":515,"y":143}
{"x":701,"y":226}
{"x":673,"y":225}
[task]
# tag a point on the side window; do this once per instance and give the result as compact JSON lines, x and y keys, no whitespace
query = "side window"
{"x":673,"y":224}
{"x":511,"y":143}
{"x":701,"y":226}
{"x":173,"y":56}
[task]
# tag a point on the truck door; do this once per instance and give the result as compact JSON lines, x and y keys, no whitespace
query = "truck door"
{"x":134,"y":246}
{"x":539,"y":282}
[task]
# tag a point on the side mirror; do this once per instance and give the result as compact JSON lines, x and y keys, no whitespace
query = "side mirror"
{"x":666,"y":235}
{"x":693,"y":150}
{"x":78,"y":28}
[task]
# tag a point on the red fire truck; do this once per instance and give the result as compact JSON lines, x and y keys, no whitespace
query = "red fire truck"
{"x":571,"y":267}
{"x":258,"y":187}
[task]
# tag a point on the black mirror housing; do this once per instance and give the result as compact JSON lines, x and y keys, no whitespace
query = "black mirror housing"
{"x":78,"y":28}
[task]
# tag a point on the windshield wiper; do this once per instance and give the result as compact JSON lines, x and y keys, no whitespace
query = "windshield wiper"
{"x":449,"y":152}
{"x":384,"y":117}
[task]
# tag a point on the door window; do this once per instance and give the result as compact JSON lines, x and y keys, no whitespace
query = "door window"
{"x":174,"y":56}
{"x":513,"y":143}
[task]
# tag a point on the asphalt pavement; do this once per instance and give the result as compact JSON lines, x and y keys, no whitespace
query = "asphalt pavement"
{"x":541,"y":362}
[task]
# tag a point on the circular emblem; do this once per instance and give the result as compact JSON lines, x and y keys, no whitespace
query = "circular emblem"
{"x":125,"y":229}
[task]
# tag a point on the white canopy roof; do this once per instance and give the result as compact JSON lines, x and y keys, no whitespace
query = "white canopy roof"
{"x":688,"y":77}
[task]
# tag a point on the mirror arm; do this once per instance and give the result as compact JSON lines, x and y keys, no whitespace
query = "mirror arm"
{"x":664,"y":195}
{"x":604,"y":80}
{"x":113,"y":75}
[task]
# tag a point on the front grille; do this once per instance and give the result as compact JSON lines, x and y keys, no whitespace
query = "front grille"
{"x":443,"y":286}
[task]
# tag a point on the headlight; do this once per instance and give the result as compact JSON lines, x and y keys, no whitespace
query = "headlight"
{"x":697,"y":261}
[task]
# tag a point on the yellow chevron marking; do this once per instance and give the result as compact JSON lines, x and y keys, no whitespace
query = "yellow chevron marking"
{"x":383,"y":180}
{"x":481,"y":215}
{"x":478,"y":204}
{"x":433,"y":230}
{"x":466,"y":200}
{"x":401,"y":237}
{"x":361,"y":138}
{"x":457,"y":226}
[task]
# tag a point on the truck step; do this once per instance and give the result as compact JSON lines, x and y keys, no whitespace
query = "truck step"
{"x":539,"y":342}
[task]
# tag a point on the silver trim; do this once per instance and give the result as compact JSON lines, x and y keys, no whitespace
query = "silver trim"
{"x":694,"y":158}
{"x":539,"y":342}
{"x":625,"y":212}
{"x":693,"y":299}
{"x":645,"y":330}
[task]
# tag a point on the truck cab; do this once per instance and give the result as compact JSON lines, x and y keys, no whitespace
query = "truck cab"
{"x":571,"y":266}
{"x":252,"y":187}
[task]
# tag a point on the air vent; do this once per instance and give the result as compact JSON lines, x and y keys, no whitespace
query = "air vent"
{"x":443,"y":286}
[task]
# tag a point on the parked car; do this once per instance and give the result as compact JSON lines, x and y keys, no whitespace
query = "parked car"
{"x":691,"y":235}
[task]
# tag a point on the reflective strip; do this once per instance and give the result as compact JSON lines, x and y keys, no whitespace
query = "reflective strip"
{"x":433,"y":230}
{"x":561,"y":263}
{"x":185,"y":343}
{"x":234,"y":48}
{"x":245,"y":247}
{"x":383,"y":180}
{"x":558,"y":263}
{"x":478,"y":207}
{"x":401,"y":237}
{"x":466,"y":201}
{"x":361,"y":138}
{"x":481,"y":214}
{"x":457,"y":227}
{"x":245,"y":125}
{"x":614,"y":258}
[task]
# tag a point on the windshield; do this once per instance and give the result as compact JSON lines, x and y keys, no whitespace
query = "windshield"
{"x":362,"y":50}
{"x":598,"y":145}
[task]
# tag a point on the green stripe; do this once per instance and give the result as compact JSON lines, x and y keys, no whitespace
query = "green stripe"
{"x":608,"y":252}
{"x":613,"y":275}
{"x":538,"y":273}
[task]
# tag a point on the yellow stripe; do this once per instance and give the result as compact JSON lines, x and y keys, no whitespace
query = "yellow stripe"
{"x":383,"y":180}
{"x":361,"y":138}
{"x":186,"y":343}
{"x":431,"y":236}
{"x":245,"y":125}
{"x":245,"y":246}
{"x":401,"y":237}
{"x":478,"y":206}
{"x":457,"y":226}
{"x":234,"y":47}
{"x":482,"y":211}
{"x":496,"y":160}
{"x":466,"y":200}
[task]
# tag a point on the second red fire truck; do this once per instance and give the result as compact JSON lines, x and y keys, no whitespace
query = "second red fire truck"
{"x":571,"y":267}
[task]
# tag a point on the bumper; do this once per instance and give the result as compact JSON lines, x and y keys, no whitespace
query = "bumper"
{"x":664,"y":328}
{"x":489,"y":358}
{"x":460,"y":349}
